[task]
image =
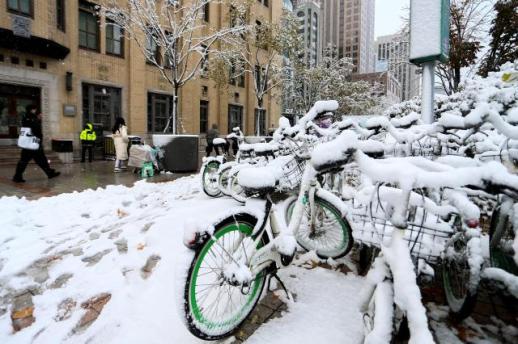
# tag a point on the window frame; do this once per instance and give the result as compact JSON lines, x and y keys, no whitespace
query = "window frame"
{"x":112,"y":24}
{"x":152,"y":101}
{"x":89,"y":11}
{"x":240,"y":111}
{"x":61,"y":17}
{"x":206,"y":12}
{"x":18,"y":11}
{"x":204,"y":123}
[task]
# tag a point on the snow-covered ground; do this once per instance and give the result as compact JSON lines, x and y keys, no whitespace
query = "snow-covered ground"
{"x":124,"y":246}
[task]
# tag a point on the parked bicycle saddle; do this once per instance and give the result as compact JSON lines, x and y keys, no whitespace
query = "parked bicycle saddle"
{"x":262,"y":179}
{"x":265,"y":149}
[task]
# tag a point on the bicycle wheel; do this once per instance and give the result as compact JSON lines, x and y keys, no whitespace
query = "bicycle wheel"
{"x":214,"y":305}
{"x":456,"y":276}
{"x":330,"y":235}
{"x":223,"y":179}
{"x":235,"y":190}
{"x":501,"y":237}
{"x":209,"y":179}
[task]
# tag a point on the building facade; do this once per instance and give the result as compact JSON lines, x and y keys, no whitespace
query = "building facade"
{"x":77,"y":67}
{"x":387,"y":84}
{"x":309,"y":15}
{"x":392,"y":54}
{"x":349,"y":26}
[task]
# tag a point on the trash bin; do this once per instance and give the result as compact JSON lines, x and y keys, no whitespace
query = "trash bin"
{"x":65,"y":149}
{"x":109,"y":146}
{"x":181,"y":153}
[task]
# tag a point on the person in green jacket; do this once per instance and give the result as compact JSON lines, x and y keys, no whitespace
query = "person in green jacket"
{"x":88,"y":138}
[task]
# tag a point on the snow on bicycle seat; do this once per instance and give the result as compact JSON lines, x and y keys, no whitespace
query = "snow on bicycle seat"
{"x":218,"y":141}
{"x":263,"y":178}
{"x":246,"y":147}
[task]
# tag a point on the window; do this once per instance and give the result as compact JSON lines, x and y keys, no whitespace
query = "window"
{"x":22,"y":7}
{"x":88,"y":27}
{"x":101,"y":105}
{"x":204,"y":116}
{"x":114,"y":38}
{"x":204,"y":67}
{"x":264,"y":2}
{"x":60,"y":15}
{"x":206,"y":12}
{"x":237,"y":74}
{"x":152,"y":49}
{"x":159,"y":108}
{"x":235,"y":117}
{"x":260,"y":122}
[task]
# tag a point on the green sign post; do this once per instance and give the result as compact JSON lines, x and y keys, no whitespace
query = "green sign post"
{"x":429,"y":42}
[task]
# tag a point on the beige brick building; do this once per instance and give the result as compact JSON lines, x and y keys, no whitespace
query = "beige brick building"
{"x":59,"y":55}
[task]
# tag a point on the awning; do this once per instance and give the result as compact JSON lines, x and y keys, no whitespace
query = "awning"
{"x":32,"y":45}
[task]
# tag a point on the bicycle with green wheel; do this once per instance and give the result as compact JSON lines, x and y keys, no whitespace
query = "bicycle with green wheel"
{"x":233,"y":259}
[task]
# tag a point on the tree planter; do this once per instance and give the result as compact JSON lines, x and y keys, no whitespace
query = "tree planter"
{"x":180,"y":151}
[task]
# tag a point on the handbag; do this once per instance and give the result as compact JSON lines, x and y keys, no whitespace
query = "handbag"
{"x":26,"y":140}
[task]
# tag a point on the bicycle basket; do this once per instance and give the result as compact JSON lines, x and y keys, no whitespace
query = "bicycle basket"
{"x":426,"y":233}
{"x":291,"y":173}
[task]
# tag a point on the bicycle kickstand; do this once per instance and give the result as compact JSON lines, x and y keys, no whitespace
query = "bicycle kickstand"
{"x":274,"y":275}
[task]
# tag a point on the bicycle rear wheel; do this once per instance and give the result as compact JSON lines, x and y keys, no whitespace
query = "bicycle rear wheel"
{"x":456,"y":275}
{"x":501,"y":237}
{"x":209,"y":178}
{"x":214,"y":306}
{"x":330,"y":234}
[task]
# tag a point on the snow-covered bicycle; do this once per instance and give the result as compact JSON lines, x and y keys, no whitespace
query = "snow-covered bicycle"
{"x":234,"y":257}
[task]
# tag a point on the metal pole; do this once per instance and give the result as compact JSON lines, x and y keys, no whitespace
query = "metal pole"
{"x":428,"y":92}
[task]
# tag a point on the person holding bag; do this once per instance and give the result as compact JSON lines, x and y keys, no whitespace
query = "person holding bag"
{"x":120,"y":141}
{"x":32,"y":149}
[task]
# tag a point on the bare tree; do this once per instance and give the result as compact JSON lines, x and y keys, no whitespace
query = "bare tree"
{"x":468,"y":21}
{"x":173,"y":36}
{"x":259,"y":54}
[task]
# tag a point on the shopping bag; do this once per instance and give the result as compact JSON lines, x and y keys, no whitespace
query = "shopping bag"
{"x":27,"y":141}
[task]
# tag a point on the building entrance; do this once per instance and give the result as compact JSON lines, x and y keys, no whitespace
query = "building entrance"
{"x":13,"y":100}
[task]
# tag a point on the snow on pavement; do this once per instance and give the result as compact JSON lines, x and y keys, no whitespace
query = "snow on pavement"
{"x":114,"y":253}
{"x":72,"y":247}
{"x":326,"y":309}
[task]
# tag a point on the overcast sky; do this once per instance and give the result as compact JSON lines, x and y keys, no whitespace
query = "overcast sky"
{"x":388,"y":16}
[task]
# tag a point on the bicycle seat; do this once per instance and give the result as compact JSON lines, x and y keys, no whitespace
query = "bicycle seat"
{"x":246,"y":148}
{"x":262,"y":179}
{"x":219,"y":142}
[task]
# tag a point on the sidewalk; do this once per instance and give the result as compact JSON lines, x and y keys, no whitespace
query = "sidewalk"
{"x":74,"y":177}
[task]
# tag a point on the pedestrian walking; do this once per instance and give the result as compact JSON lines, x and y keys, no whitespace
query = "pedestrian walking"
{"x":88,"y":138}
{"x":211,"y":135}
{"x":32,"y":119}
{"x":120,"y":140}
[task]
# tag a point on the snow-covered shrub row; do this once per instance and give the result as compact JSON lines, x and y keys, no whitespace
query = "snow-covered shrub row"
{"x":474,"y":91}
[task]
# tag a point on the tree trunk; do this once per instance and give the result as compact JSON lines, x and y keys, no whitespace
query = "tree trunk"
{"x":258,"y":117}
{"x":173,"y":116}
{"x":456,"y":79}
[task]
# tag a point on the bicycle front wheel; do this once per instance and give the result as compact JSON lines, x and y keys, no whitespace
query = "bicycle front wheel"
{"x":214,"y":306}
{"x":327,"y":233}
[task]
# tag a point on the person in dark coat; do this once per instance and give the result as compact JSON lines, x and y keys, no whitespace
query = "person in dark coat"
{"x":32,"y":119}
{"x":211,"y":135}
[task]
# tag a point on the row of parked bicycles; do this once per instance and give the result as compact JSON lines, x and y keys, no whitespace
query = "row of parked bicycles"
{"x":415,"y":199}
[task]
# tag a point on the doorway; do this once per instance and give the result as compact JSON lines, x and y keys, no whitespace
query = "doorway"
{"x":13,"y":101}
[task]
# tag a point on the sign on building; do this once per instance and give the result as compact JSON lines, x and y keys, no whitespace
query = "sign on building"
{"x":21,"y":26}
{"x":429,"y":30}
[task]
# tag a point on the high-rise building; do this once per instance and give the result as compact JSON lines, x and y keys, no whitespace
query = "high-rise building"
{"x":349,"y":26}
{"x":309,"y":16}
{"x":392,"y":54}
{"x":62,"y":57}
